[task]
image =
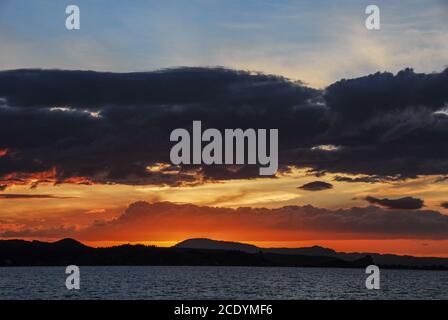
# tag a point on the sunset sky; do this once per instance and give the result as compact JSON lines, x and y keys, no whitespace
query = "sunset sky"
{"x":362,"y":118}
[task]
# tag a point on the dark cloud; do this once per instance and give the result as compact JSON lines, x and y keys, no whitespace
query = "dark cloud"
{"x":441,"y":179}
{"x":143,"y":221}
{"x":31,"y":196}
{"x":444,"y":204}
{"x":387,"y":125}
{"x":368,"y":179}
{"x":363,"y":98}
{"x":213,"y":87}
{"x":316,"y":186}
{"x":406,"y":203}
{"x":111,"y":127}
{"x":97,"y":127}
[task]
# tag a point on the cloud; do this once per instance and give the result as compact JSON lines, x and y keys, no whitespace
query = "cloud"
{"x":55,"y":233}
{"x":441,"y":179}
{"x":97,"y":127}
{"x":182,"y":86}
{"x":444,"y":204}
{"x":11,"y":196}
{"x":316,"y":186}
{"x":143,"y":221}
{"x":406,"y":203}
{"x":368,"y":179}
{"x":387,"y":125}
{"x":110,"y":127}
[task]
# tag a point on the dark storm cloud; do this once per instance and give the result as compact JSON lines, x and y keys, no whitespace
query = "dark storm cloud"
{"x":406,"y":203}
{"x":316,"y":186}
{"x":109,"y":127}
{"x":380,"y":93}
{"x":215,"y":88}
{"x":388,"y":125}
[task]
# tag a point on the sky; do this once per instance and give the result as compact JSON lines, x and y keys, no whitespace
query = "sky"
{"x":361,"y":114}
{"x":314,"y":41}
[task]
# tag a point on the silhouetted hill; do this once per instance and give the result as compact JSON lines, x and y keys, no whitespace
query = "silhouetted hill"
{"x":69,"y":243}
{"x":197,"y":252}
{"x":69,"y":251}
{"x":204,"y":243}
{"x":386,"y":260}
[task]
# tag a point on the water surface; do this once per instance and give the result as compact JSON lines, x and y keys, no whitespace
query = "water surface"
{"x":219,"y":283}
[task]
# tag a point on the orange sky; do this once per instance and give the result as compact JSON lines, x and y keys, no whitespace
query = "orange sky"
{"x":74,"y":207}
{"x":91,"y":123}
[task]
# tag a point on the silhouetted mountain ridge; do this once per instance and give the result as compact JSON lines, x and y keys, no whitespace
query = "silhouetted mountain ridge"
{"x":196,"y":252}
{"x":387,"y":260}
{"x":69,"y":251}
{"x":204,"y":243}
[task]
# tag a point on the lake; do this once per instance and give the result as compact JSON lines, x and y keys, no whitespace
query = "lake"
{"x":219,"y":283}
